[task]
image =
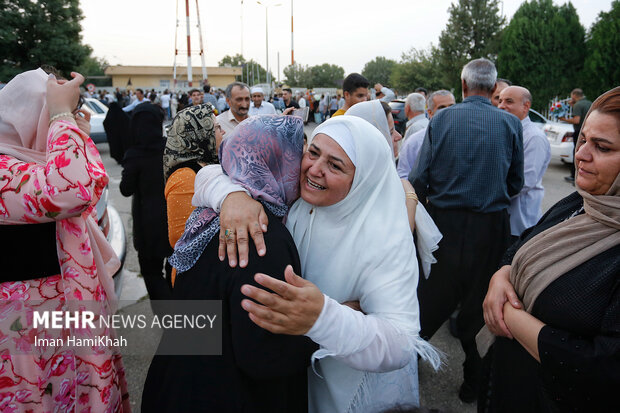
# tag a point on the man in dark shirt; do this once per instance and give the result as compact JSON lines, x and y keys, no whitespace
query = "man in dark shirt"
{"x":470,"y":165}
{"x":581,"y":106}
{"x":289,"y":102}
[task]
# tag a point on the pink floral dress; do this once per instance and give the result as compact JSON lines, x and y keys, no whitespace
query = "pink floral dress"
{"x":65,"y":190}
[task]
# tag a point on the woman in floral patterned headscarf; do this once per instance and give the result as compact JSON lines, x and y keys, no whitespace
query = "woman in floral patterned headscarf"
{"x":257,"y":371}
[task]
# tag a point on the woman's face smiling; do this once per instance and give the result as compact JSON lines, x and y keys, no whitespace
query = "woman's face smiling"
{"x":326,"y":172}
{"x":598,"y":153}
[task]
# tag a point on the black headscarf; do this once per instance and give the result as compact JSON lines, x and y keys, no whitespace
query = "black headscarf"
{"x":116,"y":125}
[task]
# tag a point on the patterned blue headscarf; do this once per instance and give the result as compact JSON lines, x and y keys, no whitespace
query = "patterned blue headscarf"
{"x":263,"y":154}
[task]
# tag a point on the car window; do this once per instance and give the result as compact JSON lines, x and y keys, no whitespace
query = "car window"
{"x":94,"y":107}
{"x":535,"y":117}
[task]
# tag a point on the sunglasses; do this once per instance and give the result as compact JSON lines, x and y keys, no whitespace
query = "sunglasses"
{"x":79,"y":104}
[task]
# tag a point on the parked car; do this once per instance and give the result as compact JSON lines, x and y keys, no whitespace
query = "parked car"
{"x":538,"y":119}
{"x":111,"y":224}
{"x":98,"y":112}
{"x":398,"y":113}
{"x":560,"y":136}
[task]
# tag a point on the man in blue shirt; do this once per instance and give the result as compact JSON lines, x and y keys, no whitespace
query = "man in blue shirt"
{"x":525,"y":208}
{"x":470,"y":165}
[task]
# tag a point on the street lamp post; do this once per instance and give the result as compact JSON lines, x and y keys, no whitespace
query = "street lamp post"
{"x":266,"y":6}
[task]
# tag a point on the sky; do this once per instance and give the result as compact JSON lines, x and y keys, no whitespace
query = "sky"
{"x":346,"y":33}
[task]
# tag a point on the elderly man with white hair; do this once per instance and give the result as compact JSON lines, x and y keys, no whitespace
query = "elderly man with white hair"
{"x":470,"y":165}
{"x":259,"y":106}
{"x":414,"y":110}
{"x":525,"y":208}
{"x":410,"y":150}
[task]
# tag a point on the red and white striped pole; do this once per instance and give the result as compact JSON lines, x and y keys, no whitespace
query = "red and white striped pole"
{"x":189,"y":48}
{"x":202,"y":50}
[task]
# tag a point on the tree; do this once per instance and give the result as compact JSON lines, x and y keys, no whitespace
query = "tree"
{"x":379,"y":70}
{"x":93,"y":69}
{"x":326,"y":75}
{"x":298,"y":75}
{"x":33,"y":33}
{"x":417,"y":68}
{"x":473,"y":31}
{"x":253,"y":72}
{"x":543,"y":50}
{"x":602,"y":64}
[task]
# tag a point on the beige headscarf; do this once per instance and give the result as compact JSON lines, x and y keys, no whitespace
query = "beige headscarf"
{"x":24,"y":117}
{"x":559,"y":249}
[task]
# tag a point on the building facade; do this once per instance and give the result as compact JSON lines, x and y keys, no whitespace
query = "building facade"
{"x":161,"y":77}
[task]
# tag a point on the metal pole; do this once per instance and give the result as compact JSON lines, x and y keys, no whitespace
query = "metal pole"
{"x":202,"y":52}
{"x":189,"y":47}
{"x":292,"y":44}
{"x":176,"y":50}
{"x":241,"y":27}
{"x":278,"y":74}
{"x":267,"y":44}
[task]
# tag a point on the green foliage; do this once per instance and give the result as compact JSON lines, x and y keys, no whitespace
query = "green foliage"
{"x":324,"y":75}
{"x":543,"y":50}
{"x":33,"y":33}
{"x":602,"y":64}
{"x":418,"y":68}
{"x":327,"y":75}
{"x":379,"y":70}
{"x":94,"y":66}
{"x":253,"y":72}
{"x":298,"y":75}
{"x":473,"y":31}
{"x":236,"y":60}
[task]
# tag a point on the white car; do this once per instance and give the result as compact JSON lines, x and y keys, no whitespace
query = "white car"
{"x":98,"y":112}
{"x":111,"y":225}
{"x":560,"y":136}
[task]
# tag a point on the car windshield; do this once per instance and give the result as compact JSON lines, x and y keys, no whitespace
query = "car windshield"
{"x":94,"y":107}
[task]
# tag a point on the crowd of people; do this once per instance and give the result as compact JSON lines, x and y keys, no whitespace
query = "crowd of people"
{"x":336,"y":256}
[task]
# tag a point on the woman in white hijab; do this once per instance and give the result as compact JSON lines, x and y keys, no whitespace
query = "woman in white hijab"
{"x":350,"y":228}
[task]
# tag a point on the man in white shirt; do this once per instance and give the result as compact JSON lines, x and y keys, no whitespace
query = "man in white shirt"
{"x":301,"y":101}
{"x":383,"y":93}
{"x":165,"y":103}
{"x":524,"y":207}
{"x":414,"y":110}
{"x":411,"y":149}
{"x":139,"y":99}
{"x":238,"y":98}
{"x":259,"y":106}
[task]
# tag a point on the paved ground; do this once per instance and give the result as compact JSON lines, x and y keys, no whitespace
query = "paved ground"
{"x":438,"y":389}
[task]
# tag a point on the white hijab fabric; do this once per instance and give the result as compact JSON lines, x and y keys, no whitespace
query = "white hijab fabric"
{"x":373,"y":113}
{"x":428,"y":233}
{"x":360,"y":248}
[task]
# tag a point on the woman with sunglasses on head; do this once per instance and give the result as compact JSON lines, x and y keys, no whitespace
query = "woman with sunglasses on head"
{"x":55,"y":257}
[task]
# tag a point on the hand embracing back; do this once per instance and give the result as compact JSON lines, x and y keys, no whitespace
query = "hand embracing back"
{"x":292,"y":308}
{"x":241,"y":216}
